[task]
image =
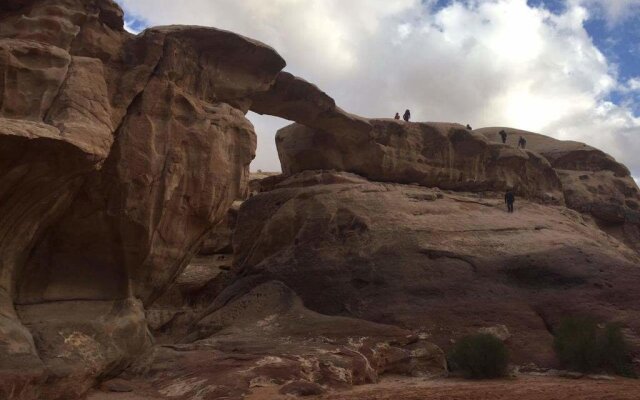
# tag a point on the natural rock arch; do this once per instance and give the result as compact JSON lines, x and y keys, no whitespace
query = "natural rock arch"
{"x":118,"y":153}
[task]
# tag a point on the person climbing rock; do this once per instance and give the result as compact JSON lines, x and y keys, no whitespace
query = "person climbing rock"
{"x":509,"y":199}
{"x":522,"y":142}
{"x":397,"y":116}
{"x":407,"y":115}
{"x":469,"y":127}
{"x":503,"y":135}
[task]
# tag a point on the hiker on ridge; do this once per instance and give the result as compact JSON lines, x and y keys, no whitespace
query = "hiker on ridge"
{"x":509,"y":199}
{"x":503,"y":135}
{"x":397,"y":116}
{"x":522,"y":142}
{"x":469,"y":127}
{"x":407,"y":115}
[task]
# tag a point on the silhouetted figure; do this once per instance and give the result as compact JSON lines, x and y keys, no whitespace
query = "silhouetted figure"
{"x":469,"y":127}
{"x":407,"y":115}
{"x":397,"y":116}
{"x":509,"y":199}
{"x":503,"y":135}
{"x":522,"y":142}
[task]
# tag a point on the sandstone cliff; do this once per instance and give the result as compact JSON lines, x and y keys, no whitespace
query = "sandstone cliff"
{"x":118,"y":153}
{"x":441,"y":262}
{"x":122,"y":251}
{"x":443,"y":155}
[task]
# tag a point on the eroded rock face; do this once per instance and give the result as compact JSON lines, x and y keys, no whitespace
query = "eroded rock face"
{"x":433,"y":155}
{"x":204,"y":278}
{"x":297,"y":100}
{"x":438,"y":262}
{"x":121,"y":155}
{"x":118,"y":153}
{"x":593,"y":182}
{"x":267,"y":337}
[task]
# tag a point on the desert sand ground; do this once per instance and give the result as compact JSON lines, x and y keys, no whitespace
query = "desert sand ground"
{"x":401,"y":388}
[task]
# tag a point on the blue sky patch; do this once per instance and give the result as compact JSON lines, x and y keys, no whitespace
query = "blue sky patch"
{"x":135,"y":25}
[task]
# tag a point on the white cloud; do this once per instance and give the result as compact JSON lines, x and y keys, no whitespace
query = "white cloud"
{"x":483,"y":62}
{"x":128,"y":26}
{"x":614,"y":11}
{"x":633,"y":84}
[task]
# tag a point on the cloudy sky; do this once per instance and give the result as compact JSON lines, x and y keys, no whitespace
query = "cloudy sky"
{"x":566,"y":68}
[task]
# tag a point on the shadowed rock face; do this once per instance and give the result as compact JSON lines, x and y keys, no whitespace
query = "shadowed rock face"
{"x":443,"y":263}
{"x":121,"y":155}
{"x":118,"y":153}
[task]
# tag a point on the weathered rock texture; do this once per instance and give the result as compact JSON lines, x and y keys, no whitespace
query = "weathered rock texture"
{"x":438,"y":262}
{"x":297,"y":100}
{"x":593,"y":182}
{"x":434,"y":155}
{"x":267,"y":337}
{"x":121,"y":156}
{"x":204,"y":278}
{"x":118,"y":153}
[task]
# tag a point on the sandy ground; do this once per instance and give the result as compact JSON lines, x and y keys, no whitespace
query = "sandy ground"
{"x":118,"y":396}
{"x":522,"y":388}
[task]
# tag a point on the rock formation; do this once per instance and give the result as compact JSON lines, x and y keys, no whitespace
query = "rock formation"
{"x":126,"y":248}
{"x":442,"y":263}
{"x":118,"y":153}
{"x":443,"y":155}
{"x":593,"y":182}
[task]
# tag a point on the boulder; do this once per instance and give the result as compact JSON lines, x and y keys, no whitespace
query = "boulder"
{"x":265,"y":336}
{"x":499,"y":331}
{"x":447,"y":156}
{"x":302,"y":388}
{"x":562,"y":154}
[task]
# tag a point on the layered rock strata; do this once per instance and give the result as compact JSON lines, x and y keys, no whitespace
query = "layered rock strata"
{"x":118,"y":153}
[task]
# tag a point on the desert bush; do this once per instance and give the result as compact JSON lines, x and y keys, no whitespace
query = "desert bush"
{"x":616,"y":352}
{"x":481,"y":356}
{"x":582,"y":346}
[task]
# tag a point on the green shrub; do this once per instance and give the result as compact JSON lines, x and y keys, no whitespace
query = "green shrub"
{"x":582,"y":346}
{"x":576,"y":344}
{"x":615,"y":351}
{"x":481,"y":356}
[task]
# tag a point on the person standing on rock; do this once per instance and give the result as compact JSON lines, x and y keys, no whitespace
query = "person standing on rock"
{"x":407,"y":115}
{"x":509,"y":199}
{"x":522,"y":142}
{"x":503,"y":135}
{"x":397,"y":116}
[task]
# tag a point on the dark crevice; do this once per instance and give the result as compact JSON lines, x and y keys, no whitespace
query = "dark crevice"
{"x":548,"y":326}
{"x":138,"y":97}
{"x":435,"y":254}
{"x":46,"y":117}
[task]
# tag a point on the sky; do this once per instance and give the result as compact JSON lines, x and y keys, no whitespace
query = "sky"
{"x":566,"y":68}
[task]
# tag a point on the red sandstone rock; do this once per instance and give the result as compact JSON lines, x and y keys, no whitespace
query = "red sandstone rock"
{"x":118,"y":153}
{"x":446,"y":263}
{"x":433,"y":155}
{"x":121,"y":154}
{"x":593,"y":182}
